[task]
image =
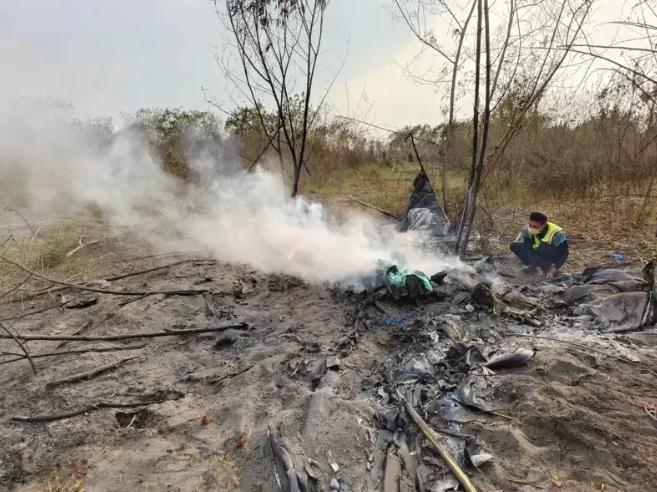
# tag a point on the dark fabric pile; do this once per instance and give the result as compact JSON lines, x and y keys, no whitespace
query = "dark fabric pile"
{"x":424,"y":212}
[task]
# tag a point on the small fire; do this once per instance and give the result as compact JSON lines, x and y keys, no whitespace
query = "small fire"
{"x":291,"y":255}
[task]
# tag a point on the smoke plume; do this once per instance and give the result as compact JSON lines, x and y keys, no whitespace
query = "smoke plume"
{"x":56,"y":162}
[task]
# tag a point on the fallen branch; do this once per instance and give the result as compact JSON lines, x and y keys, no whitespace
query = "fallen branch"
{"x":442,"y":450}
{"x":154,"y":269}
{"x":15,"y":337}
{"x":31,"y":313}
{"x":129,"y":301}
{"x":80,"y":246}
{"x":68,"y":352}
{"x":105,"y":291}
{"x":112,"y":338}
{"x":229,"y":375}
{"x":89,"y":408}
{"x":89,"y":374}
{"x":373,"y":207}
{"x":50,"y":290}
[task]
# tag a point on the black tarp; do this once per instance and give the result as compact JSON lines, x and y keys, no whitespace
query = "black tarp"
{"x":423,"y":211}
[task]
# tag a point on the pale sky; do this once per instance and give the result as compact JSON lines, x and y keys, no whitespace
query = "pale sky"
{"x":113,"y":56}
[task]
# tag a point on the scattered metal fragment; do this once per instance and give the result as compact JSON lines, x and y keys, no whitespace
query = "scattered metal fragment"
{"x":523,"y":316}
{"x":465,"y":395}
{"x":313,"y":468}
{"x":446,"y":484}
{"x":454,"y":412}
{"x":282,"y":457}
{"x":334,"y":464}
{"x":510,"y":359}
{"x":444,"y":453}
{"x":475,"y":454}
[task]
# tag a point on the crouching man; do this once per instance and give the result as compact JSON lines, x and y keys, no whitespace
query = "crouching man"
{"x":542,"y":246}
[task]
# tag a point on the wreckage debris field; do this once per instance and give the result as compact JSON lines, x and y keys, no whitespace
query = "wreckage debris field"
{"x":282,"y":380}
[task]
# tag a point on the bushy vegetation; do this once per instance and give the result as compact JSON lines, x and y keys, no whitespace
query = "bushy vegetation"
{"x":177,"y":137}
{"x":608,"y":151}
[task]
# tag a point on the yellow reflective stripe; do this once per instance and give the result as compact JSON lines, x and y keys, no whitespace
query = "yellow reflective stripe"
{"x":552,"y":229}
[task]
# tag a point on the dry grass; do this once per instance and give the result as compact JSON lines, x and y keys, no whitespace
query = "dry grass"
{"x":597,"y":228}
{"x":64,"y":478}
{"x":49,"y":252}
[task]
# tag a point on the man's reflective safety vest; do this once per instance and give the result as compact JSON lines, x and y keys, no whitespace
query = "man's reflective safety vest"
{"x":552,"y":229}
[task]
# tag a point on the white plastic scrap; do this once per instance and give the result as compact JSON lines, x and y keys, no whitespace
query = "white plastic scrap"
{"x":334,"y":465}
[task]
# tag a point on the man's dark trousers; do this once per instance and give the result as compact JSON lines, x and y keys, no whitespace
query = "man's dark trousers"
{"x":544,"y":257}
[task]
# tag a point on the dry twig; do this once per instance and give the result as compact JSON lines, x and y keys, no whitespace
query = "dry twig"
{"x":68,"y":352}
{"x":105,"y":291}
{"x":89,"y":408}
{"x":221,"y":379}
{"x":111,"y":338}
{"x":154,"y":269}
{"x":15,"y":337}
{"x":89,"y":374}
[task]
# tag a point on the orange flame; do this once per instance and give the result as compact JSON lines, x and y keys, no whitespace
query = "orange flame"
{"x":291,"y":255}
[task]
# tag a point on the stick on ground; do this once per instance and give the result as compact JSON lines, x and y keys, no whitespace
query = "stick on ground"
{"x":89,"y":408}
{"x":442,"y":450}
{"x":182,"y":292}
{"x":154,"y":269}
{"x":20,"y":342}
{"x":80,"y":246}
{"x":229,"y":375}
{"x":68,"y":352}
{"x":111,"y":338}
{"x":89,"y":374}
{"x":119,"y":277}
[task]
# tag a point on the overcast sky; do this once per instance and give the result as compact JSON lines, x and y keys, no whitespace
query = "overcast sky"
{"x":113,"y":56}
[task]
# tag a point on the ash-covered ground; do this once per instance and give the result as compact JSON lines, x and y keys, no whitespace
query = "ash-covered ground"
{"x":314,"y":377}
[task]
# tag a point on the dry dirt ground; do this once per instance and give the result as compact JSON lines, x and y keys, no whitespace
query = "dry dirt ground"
{"x":319,"y":368}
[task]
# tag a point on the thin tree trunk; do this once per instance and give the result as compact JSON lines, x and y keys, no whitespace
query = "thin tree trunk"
{"x":484,"y":139}
{"x":467,"y":199}
{"x":449,"y":133}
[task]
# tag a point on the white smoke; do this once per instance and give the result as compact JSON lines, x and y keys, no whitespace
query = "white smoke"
{"x":235,"y":216}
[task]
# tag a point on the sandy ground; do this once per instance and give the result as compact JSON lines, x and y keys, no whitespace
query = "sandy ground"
{"x":572,"y":418}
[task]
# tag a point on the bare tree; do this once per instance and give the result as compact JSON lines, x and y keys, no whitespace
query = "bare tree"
{"x":561,"y":25}
{"x":478,"y":148}
{"x":633,"y":58}
{"x":414,"y":14}
{"x":278,"y":46}
{"x":526,"y":46}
